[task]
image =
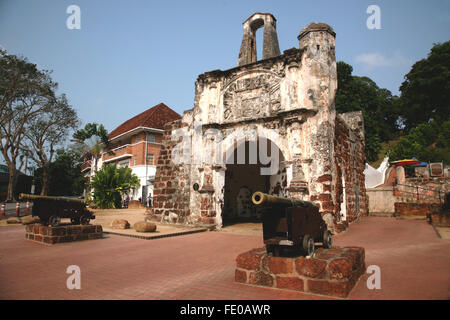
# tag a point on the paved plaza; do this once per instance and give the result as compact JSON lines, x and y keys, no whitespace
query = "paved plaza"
{"x":414,"y":262}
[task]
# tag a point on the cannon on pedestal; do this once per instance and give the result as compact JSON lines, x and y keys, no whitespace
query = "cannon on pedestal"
{"x":289,"y":223}
{"x":50,"y":210}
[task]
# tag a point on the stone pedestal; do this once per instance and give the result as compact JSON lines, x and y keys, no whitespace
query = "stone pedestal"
{"x":64,"y":233}
{"x":331,"y":272}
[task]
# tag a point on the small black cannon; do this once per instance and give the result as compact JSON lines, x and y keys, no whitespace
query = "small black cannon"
{"x":291,"y":224}
{"x":50,"y":210}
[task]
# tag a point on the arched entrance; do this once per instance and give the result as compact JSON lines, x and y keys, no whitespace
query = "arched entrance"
{"x":250,"y":168}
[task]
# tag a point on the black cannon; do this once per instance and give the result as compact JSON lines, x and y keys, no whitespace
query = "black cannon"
{"x":293,"y":224}
{"x":50,"y":210}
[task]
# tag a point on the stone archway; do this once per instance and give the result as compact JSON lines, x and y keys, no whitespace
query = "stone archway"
{"x":246,"y":173}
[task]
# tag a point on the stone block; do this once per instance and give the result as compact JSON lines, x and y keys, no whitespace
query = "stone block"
{"x":120,"y":224}
{"x":340,"y":268}
{"x":43,"y":230}
{"x":260,"y":278}
{"x":290,"y":283}
{"x":278,"y":265}
{"x":336,"y":289}
{"x":13,"y":220}
{"x":29,"y":228}
{"x":51,"y":239}
{"x":313,"y":268}
{"x":143,"y":226}
{"x":250,"y":260}
{"x":57,"y":231}
{"x":240,"y":276}
{"x":73,"y":230}
{"x":88,"y":229}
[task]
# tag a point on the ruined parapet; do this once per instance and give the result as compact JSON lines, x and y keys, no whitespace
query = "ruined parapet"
{"x":355,"y":121}
{"x":271,"y":49}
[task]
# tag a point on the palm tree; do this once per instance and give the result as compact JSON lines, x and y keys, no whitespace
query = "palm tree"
{"x":110,"y":183}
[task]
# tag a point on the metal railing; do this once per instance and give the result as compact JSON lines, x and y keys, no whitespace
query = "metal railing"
{"x":419,"y":193}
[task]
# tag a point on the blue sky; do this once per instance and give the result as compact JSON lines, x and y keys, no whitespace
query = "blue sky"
{"x":130,"y":55}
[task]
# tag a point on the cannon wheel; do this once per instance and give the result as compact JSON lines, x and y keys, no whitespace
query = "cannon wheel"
{"x":327,"y":241}
{"x":308,"y":245}
{"x":84,"y":220}
{"x":54,"y":220}
{"x":75,"y":220}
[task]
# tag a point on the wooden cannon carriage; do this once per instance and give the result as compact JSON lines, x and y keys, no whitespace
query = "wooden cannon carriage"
{"x":293,"y":224}
{"x":50,"y":210}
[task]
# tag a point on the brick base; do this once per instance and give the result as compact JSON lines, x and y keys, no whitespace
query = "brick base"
{"x":415,"y":209}
{"x":64,"y":233}
{"x":331,"y":272}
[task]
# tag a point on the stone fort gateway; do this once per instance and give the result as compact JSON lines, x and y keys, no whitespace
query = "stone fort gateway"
{"x":267,"y":125}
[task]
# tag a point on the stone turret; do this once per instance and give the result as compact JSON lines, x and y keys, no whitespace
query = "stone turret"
{"x":271,"y":48}
{"x":318,"y":39}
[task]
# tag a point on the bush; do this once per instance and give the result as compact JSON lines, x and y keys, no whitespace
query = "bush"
{"x":110,"y":183}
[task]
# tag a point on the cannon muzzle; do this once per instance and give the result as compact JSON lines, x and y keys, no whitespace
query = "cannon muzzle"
{"x":260,"y":198}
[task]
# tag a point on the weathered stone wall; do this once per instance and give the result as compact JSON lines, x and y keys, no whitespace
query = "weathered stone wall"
{"x":171,"y":186}
{"x":416,"y":209}
{"x":349,"y":160}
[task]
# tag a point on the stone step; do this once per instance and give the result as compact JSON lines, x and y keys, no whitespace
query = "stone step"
{"x":381,"y":214}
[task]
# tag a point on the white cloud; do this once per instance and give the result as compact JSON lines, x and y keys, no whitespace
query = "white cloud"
{"x":373,"y":60}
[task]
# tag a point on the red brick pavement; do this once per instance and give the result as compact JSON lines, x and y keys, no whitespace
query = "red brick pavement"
{"x":414,"y":263}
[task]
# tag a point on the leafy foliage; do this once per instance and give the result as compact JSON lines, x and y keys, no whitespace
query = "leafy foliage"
{"x":47,"y":130}
{"x":65,"y":176}
{"x":429,"y":142}
{"x":25,"y":93}
{"x":109,"y":183}
{"x":425,"y":107}
{"x":93,"y":139}
{"x":379,"y":107}
{"x":426,"y":89}
{"x":90,"y":130}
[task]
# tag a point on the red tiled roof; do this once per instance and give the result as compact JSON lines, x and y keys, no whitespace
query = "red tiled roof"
{"x":155,"y":117}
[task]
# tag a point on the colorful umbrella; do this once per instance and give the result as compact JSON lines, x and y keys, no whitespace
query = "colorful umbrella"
{"x":405,"y":162}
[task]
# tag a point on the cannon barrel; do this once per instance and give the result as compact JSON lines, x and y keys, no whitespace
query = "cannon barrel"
{"x":24,"y":196}
{"x":260,"y":198}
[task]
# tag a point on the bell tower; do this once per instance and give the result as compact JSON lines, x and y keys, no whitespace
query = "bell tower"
{"x":247,"y":54}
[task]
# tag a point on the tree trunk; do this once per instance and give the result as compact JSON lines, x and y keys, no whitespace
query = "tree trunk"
{"x":45,"y":179}
{"x":10,"y":197}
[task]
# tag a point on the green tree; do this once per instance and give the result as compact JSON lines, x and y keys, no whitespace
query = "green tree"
{"x":45,"y":132}
{"x":379,"y":107}
{"x":93,"y":139}
{"x":428,"y":142}
{"x":25,"y":92}
{"x":65,"y":176}
{"x":426,"y":89}
{"x":110,"y":183}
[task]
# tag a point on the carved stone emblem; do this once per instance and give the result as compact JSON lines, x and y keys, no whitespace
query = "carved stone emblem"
{"x":253,"y":97}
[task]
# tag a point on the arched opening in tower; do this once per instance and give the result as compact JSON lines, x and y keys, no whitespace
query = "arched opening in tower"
{"x":250,"y":168}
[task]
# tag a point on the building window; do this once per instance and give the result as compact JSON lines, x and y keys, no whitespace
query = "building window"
{"x":150,"y":159}
{"x":135,"y":160}
{"x":123,"y":163}
{"x":150,"y":137}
